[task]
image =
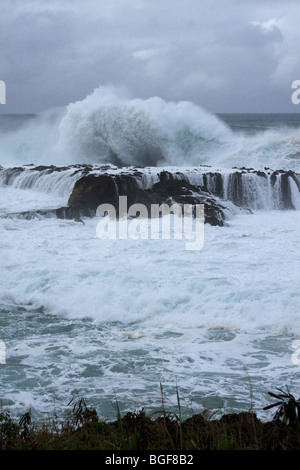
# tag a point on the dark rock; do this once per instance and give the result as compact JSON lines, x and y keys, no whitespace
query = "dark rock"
{"x":60,"y":213}
{"x":286,"y":196}
{"x":91,"y":191}
{"x":218,"y":192}
{"x":10,"y":174}
{"x":235,"y":187}
{"x":213,"y":182}
{"x":286,"y":189}
{"x":261,"y":173}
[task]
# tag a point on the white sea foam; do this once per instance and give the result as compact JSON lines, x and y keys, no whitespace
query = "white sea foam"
{"x":110,"y":127}
{"x":111,"y":319}
{"x":132,"y":313}
{"x":43,"y":240}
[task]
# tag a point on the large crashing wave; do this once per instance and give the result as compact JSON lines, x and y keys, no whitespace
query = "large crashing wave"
{"x":109,"y":127}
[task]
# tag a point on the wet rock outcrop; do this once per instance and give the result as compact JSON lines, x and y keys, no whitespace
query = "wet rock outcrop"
{"x":93,"y":190}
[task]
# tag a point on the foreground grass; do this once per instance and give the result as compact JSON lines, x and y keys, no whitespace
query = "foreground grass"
{"x":83,"y":430}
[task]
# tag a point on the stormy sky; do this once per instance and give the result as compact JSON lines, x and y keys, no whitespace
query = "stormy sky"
{"x":224,"y":55}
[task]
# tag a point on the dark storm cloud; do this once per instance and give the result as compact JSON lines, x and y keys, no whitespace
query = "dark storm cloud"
{"x":225,"y":55}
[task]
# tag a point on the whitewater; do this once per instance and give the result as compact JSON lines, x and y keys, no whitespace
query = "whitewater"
{"x":110,"y":127}
{"x":113,"y":320}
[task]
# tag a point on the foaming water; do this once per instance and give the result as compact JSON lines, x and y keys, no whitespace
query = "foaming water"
{"x":146,"y":132}
{"x":111,"y":319}
{"x":210,"y":292}
{"x":110,"y":127}
{"x":26,"y":139}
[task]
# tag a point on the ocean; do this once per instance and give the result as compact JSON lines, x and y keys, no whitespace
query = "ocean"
{"x":116,"y":321}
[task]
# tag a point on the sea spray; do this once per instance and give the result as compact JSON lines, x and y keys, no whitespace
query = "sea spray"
{"x":110,"y":127}
{"x":103,"y":319}
{"x":116,"y":129}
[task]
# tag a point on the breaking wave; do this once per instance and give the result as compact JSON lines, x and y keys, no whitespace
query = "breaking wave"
{"x":110,"y":127}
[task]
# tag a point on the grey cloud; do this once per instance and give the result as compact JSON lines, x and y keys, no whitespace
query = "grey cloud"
{"x":249,"y":36}
{"x":224,"y":55}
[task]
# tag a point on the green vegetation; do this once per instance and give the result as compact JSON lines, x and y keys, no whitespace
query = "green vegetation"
{"x":83,"y":430}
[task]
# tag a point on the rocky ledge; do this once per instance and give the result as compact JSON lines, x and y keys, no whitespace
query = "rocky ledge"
{"x":93,"y":190}
{"x":222,"y":193}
